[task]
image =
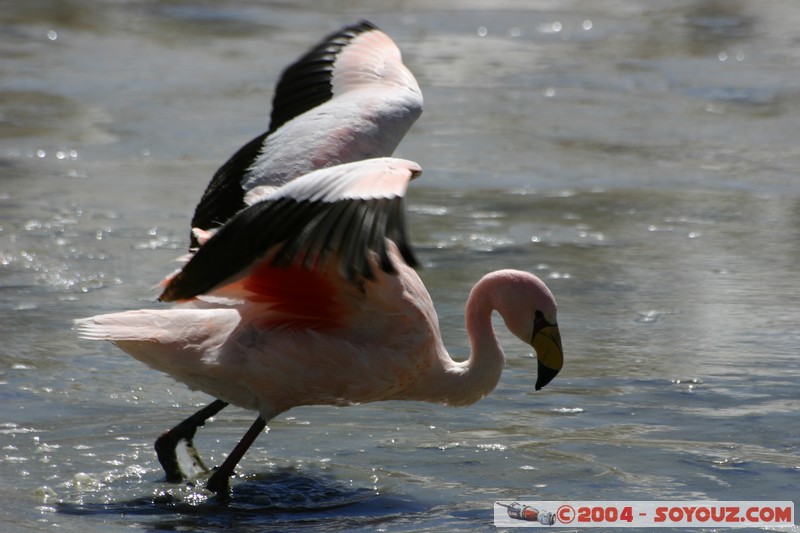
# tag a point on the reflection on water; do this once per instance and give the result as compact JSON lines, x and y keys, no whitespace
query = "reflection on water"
{"x":640,"y":158}
{"x":282,"y":498}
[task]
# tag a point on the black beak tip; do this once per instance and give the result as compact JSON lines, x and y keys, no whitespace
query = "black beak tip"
{"x":545,"y":376}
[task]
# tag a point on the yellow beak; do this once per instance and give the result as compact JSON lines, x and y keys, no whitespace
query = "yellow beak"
{"x":549,"y":353}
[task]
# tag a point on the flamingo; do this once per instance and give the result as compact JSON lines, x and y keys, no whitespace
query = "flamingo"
{"x":309,"y":297}
{"x":350,"y":97}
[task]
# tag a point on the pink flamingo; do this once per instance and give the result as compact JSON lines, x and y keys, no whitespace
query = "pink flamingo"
{"x":307,"y":298}
{"x":350,"y":97}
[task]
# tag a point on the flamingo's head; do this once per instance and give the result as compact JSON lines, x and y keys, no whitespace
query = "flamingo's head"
{"x":529,"y":311}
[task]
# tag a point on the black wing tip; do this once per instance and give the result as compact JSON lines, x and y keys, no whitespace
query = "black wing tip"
{"x":336,"y":40}
{"x":183,"y":286}
{"x":362,"y":26}
{"x":409,"y":256}
{"x":346,"y":33}
{"x":224,"y":195}
{"x":169,"y":293}
{"x":306,"y":83}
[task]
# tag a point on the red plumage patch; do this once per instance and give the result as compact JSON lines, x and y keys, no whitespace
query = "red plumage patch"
{"x":299,"y":297}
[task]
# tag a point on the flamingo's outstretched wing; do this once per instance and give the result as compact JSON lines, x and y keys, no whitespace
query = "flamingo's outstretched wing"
{"x":347,"y":211}
{"x":349,"y":98}
{"x":309,"y":81}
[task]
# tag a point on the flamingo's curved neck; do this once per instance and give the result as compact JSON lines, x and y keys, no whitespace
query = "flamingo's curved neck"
{"x":468,"y":381}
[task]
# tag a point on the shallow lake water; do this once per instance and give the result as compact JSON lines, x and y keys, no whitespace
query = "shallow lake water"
{"x":641,"y":157}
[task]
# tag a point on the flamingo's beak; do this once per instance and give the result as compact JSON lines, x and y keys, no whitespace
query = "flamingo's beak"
{"x":549,"y":353}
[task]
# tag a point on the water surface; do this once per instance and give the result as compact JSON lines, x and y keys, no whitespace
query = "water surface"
{"x":640,"y":157}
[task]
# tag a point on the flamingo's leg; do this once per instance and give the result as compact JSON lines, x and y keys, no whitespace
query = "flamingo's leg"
{"x":219,"y":480}
{"x":166,"y":445}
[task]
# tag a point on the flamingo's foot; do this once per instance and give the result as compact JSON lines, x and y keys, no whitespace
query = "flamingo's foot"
{"x":219,"y":482}
{"x":178,"y":457}
{"x":176,"y":451}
